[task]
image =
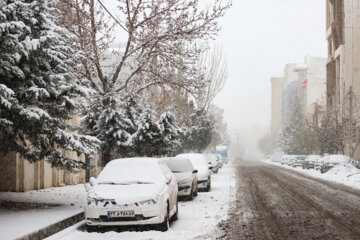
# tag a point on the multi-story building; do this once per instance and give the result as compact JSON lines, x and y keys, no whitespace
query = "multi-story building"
{"x":343,"y":67}
{"x":277,"y":85}
{"x":306,"y":81}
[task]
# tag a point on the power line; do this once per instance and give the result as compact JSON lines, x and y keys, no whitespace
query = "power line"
{"x":112,"y":16}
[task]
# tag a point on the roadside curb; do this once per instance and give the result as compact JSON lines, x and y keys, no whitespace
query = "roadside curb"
{"x":53,"y":228}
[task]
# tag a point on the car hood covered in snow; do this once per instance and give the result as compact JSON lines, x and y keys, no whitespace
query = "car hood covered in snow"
{"x":126,"y":194}
{"x":183,"y":176}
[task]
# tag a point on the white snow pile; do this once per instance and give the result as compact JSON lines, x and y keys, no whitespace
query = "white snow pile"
{"x":345,"y":172}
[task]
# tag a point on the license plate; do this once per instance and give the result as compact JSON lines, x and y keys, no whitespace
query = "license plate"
{"x":128,"y":213}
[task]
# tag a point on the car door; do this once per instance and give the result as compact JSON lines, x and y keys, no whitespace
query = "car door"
{"x":173,"y":188}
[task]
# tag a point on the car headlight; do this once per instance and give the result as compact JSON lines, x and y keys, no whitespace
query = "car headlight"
{"x":150,"y":201}
{"x":91,"y":200}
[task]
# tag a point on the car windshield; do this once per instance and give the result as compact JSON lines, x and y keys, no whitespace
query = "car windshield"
{"x":199,"y":161}
{"x":300,"y":158}
{"x":179,"y":165}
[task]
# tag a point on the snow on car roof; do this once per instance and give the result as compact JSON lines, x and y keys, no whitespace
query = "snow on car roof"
{"x":132,"y":170}
{"x":198,"y":160}
{"x":179,"y":164}
{"x":339,"y":158}
{"x":313,"y":157}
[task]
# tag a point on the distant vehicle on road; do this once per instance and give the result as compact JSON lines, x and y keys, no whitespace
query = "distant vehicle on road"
{"x":186,"y":176}
{"x":312,"y":161}
{"x":332,"y":160}
{"x":223,"y":152}
{"x":132,"y":191}
{"x":214,"y":162}
{"x":285,"y":159}
{"x":298,"y":161}
{"x":200,"y":163}
{"x":277,"y":155}
{"x":291,"y":160}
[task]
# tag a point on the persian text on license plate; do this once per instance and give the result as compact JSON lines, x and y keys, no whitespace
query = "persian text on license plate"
{"x":128,"y":213}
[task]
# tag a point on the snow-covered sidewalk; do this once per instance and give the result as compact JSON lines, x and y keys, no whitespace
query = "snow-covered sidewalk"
{"x":345,"y":174}
{"x":198,"y":219}
{"x":39,"y":209}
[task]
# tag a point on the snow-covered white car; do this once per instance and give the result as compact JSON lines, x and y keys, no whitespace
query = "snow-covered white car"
{"x":221,"y":161}
{"x":312,"y":161}
{"x":200,"y":163}
{"x":285,"y":159}
{"x":132,"y":191}
{"x":330,"y":161}
{"x":298,"y":161}
{"x":186,"y":176}
{"x":214,"y":162}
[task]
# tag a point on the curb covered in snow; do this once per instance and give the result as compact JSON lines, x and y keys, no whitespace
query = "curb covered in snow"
{"x":54,"y":228}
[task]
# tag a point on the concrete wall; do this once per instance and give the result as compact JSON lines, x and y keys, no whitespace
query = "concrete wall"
{"x":8,"y":177}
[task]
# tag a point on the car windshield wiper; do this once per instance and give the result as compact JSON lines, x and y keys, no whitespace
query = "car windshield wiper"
{"x":114,"y":183}
{"x":124,"y":183}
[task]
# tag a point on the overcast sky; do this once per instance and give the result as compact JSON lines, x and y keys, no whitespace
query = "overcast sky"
{"x":259,"y":37}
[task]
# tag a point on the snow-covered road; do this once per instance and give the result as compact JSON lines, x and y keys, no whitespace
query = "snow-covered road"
{"x":198,"y":219}
{"x":279,"y":203}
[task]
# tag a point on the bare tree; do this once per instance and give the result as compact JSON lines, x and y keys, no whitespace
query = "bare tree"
{"x":162,"y":42}
{"x":216,"y":73}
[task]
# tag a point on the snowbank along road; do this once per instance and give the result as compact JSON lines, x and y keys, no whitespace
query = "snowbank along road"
{"x":278,"y":203}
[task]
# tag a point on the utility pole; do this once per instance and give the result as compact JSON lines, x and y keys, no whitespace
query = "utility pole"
{"x":351,"y":122}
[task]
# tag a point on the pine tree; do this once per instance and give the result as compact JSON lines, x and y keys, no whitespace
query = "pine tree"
{"x":37,"y":86}
{"x":198,"y":130}
{"x":148,"y":135}
{"x":291,"y":139}
{"x":170,"y":132}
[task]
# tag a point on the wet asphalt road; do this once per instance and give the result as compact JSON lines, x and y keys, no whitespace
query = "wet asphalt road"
{"x":278,"y":203}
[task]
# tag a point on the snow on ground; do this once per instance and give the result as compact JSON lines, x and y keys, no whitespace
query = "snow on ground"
{"x":198,"y":218}
{"x":67,"y":195}
{"x":15,"y":224}
{"x":34,"y":213}
{"x":343,"y":173}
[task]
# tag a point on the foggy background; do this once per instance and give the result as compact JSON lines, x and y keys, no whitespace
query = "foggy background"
{"x":258,"y":38}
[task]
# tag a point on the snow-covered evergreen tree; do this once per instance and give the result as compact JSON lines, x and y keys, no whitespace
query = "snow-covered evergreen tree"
{"x":148,"y":136}
{"x":198,"y":130}
{"x":170,"y":133}
{"x":37,"y":87}
{"x":291,"y":139}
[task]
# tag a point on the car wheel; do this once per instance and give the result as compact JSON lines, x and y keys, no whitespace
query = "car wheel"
{"x":191,"y":195}
{"x":208,"y":186}
{"x":175,"y":216}
{"x":165,"y":225}
{"x":91,"y":228}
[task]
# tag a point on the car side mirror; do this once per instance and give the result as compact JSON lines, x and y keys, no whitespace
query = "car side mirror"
{"x":210,"y":168}
{"x":168,"y":178}
{"x":195,"y":171}
{"x":93,"y":181}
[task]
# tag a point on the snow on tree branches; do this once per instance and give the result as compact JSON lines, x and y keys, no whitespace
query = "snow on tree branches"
{"x":37,"y":86}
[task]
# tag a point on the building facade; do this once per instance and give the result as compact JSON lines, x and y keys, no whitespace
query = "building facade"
{"x":343,"y":66}
{"x":277,"y":85}
{"x":307,"y":81}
